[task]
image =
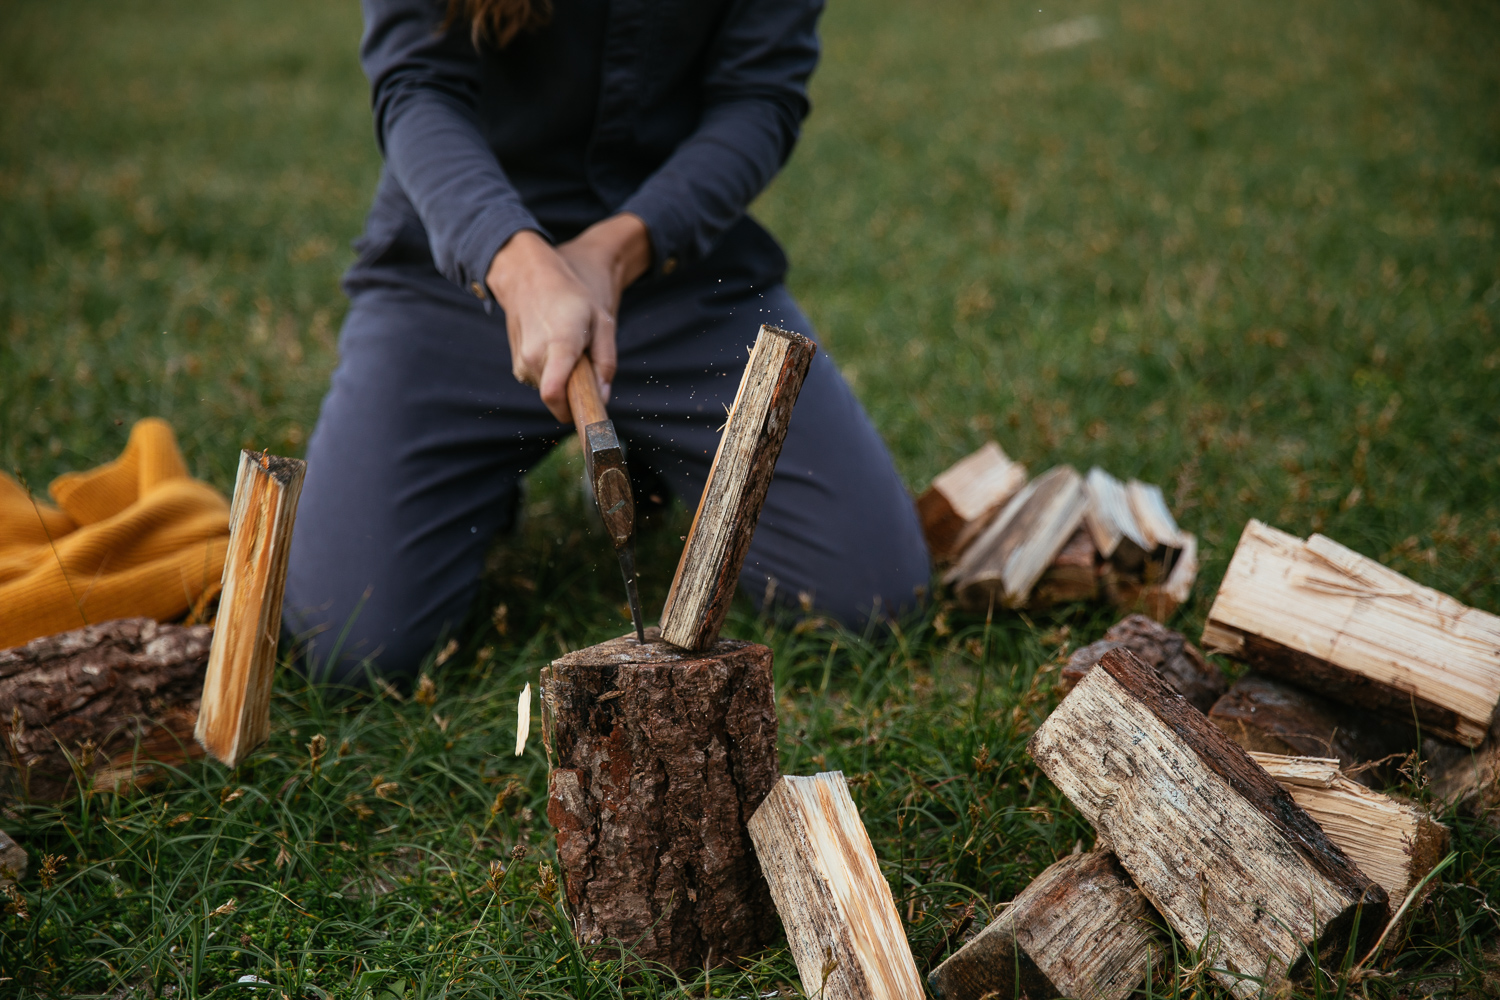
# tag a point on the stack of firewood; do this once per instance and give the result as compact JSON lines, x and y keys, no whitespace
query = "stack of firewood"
{"x":1060,"y":537}
{"x":1239,"y":816}
{"x":1251,"y":830}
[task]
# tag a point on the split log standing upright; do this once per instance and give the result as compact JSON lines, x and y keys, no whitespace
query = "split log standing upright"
{"x":736,"y":489}
{"x":1222,"y":851}
{"x":235,"y":716}
{"x":664,"y":749}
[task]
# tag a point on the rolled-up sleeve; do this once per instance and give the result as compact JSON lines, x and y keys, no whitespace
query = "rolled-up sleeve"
{"x":755,"y":99}
{"x":424,"y":86}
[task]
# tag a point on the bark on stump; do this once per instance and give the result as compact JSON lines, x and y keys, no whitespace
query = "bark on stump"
{"x":112,"y":696}
{"x":660,"y":756}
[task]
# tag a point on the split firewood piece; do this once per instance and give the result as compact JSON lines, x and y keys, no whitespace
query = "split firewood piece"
{"x":1265,"y":715}
{"x":1167,"y":652}
{"x":1010,"y":556}
{"x":235,"y":716}
{"x":1152,"y":515}
{"x":1081,"y":929}
{"x":1160,"y":591}
{"x":116,"y":701}
{"x":1329,"y":619}
{"x":1111,"y":521}
{"x":660,"y":757}
{"x":12,"y":860}
{"x":736,"y":489}
{"x":1073,"y":575}
{"x":841,"y":923}
{"x":1221,"y":850}
{"x":962,"y":499}
{"x":1392,"y":840}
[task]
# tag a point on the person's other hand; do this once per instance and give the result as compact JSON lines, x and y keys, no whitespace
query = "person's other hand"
{"x":551,"y":318}
{"x":608,"y":256}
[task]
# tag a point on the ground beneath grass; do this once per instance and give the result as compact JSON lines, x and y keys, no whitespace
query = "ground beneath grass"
{"x":1246,"y":251}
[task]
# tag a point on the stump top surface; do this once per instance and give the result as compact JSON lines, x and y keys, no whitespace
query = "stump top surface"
{"x":627,"y":649}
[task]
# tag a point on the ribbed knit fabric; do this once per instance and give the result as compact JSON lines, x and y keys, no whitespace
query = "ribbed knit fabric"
{"x":135,"y":537}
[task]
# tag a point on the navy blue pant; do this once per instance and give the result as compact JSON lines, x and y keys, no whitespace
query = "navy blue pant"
{"x":424,"y":436}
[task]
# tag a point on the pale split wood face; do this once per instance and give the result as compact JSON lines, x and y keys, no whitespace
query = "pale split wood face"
{"x":1394,"y":841}
{"x":234,"y":717}
{"x":737,"y":481}
{"x":1326,"y":601}
{"x":1220,"y":871}
{"x":836,"y":906}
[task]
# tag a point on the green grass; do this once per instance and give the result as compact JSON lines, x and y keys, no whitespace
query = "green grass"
{"x":1247,"y":251}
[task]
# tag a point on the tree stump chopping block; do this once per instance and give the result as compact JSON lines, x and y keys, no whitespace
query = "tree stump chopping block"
{"x":660,"y":756}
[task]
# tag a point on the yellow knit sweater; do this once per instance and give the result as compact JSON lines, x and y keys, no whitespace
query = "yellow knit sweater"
{"x":135,"y":537}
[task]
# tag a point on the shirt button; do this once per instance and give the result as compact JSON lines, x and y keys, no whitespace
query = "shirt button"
{"x":477,"y":289}
{"x":669,"y":265}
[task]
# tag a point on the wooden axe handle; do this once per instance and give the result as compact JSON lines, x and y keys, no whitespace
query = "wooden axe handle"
{"x":583,"y":396}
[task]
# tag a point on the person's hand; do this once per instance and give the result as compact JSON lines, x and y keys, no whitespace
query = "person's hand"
{"x":551,"y":318}
{"x":560,"y":302}
{"x":608,"y":256}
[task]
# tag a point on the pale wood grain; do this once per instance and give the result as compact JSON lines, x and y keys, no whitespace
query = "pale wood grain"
{"x":1151,"y":514}
{"x":963,"y":498}
{"x":1081,"y":929}
{"x":1394,"y":841}
{"x":1110,"y":519}
{"x":730,"y":506}
{"x":1010,"y":556}
{"x":12,"y":860}
{"x":235,"y":715}
{"x":841,"y":923}
{"x":1219,"y":848}
{"x":1330,"y":619}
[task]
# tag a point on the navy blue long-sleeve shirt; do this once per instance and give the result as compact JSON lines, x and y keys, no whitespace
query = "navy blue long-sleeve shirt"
{"x":679,"y":111}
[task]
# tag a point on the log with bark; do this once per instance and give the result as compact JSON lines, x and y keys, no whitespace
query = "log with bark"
{"x":1167,"y":652}
{"x":117,"y":701}
{"x":1329,"y":619}
{"x":841,"y":924}
{"x":1466,"y":778}
{"x":659,"y":758}
{"x":1266,"y":715}
{"x":963,"y":498}
{"x":1081,"y":929}
{"x":730,"y":506}
{"x":1221,"y":850}
{"x":1394,"y":841}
